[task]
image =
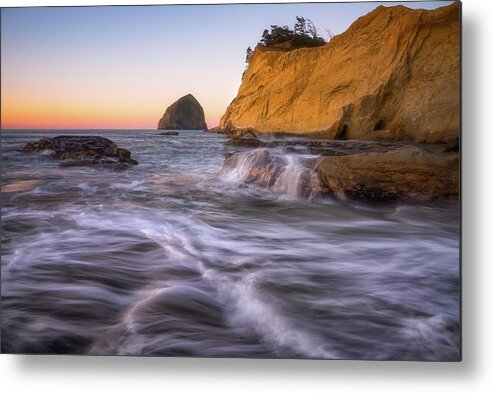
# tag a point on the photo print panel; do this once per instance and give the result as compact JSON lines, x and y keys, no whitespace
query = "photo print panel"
{"x":233,"y":180}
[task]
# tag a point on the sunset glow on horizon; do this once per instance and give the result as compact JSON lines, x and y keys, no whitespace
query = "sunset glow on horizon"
{"x":121,"y":67}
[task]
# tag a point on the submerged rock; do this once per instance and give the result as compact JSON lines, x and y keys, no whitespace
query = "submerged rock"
{"x":184,"y":114}
{"x":82,"y":151}
{"x":169,"y":133}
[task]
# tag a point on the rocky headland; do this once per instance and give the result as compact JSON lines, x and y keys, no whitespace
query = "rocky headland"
{"x":93,"y":151}
{"x":184,"y":114}
{"x":370,"y":101}
{"x":393,"y":75}
{"x":379,"y":105}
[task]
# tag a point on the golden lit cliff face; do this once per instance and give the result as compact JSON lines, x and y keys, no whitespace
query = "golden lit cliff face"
{"x":394,"y":74}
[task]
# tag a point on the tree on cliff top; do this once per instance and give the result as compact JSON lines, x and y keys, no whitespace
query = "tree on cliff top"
{"x":249,"y":53}
{"x":303,"y":34}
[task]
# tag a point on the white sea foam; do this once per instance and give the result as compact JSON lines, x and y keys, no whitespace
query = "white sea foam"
{"x":283,"y":174}
{"x":173,"y":259}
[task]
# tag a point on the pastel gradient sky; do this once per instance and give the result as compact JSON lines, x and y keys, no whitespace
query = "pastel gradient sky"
{"x":120,"y":67}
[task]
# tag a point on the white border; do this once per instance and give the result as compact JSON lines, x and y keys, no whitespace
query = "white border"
{"x":474,"y":374}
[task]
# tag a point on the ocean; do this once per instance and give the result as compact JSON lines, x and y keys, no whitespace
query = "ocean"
{"x":178,"y":257}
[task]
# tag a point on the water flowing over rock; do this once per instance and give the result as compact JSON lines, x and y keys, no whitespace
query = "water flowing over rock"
{"x":393,"y":75}
{"x":184,"y":114}
{"x":172,"y":259}
{"x":82,"y":151}
{"x":287,"y":175}
{"x":398,"y":172}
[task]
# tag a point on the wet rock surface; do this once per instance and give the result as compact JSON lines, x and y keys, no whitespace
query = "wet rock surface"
{"x":318,"y":147}
{"x":72,"y":151}
{"x":408,"y":172}
{"x":366,"y":171}
{"x":287,"y":175}
{"x":263,"y":167}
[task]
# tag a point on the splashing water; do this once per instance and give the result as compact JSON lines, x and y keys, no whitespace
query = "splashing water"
{"x":285,"y":175}
{"x":181,"y":256}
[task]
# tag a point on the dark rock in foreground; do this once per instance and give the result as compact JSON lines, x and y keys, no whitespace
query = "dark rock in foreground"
{"x":83,"y":151}
{"x":169,"y":133}
{"x":408,"y":172}
{"x":184,"y":114}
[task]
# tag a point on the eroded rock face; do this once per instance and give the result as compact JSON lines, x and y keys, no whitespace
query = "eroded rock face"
{"x":393,"y":75}
{"x":184,"y":114}
{"x":82,"y":151}
{"x":407,"y":172}
{"x":381,"y":173}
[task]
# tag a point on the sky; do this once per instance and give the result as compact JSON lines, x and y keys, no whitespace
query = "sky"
{"x":122,"y":66}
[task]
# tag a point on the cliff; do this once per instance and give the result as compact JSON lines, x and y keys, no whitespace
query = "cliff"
{"x":184,"y":114}
{"x":393,"y":75}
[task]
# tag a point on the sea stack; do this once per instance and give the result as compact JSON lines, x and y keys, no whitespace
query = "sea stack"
{"x":184,"y":114}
